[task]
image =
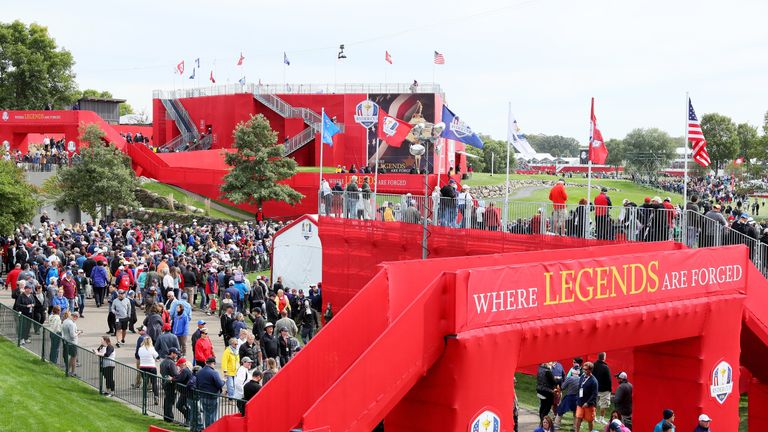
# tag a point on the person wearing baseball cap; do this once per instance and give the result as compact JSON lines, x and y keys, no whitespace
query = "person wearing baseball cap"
{"x":166,"y":341}
{"x":169,"y":371}
{"x":195,"y":337}
{"x":623,"y":399}
{"x":704,"y":422}
{"x":242,"y":377}
{"x":209,"y":382}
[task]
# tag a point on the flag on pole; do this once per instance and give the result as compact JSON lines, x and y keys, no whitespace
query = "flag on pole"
{"x":180,"y":67}
{"x":285,"y":59}
{"x":598,"y":152}
{"x":193,"y":74}
{"x":329,"y":130}
{"x":518,"y":139}
{"x":696,"y":138}
{"x":241,"y":81}
{"x":457,"y":130}
{"x":240,"y":60}
{"x":211,"y":77}
{"x":197,"y":62}
{"x":439,"y":58}
{"x":392,"y":130}
{"x":387,"y":57}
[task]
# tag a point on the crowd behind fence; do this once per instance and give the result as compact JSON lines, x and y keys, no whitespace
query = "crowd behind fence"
{"x":149,"y":392}
{"x":649,"y":222}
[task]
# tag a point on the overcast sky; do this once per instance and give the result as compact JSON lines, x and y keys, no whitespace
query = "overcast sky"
{"x":546,"y":57}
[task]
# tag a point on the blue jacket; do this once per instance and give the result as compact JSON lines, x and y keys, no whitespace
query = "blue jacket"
{"x":61,"y":301}
{"x":588,"y":387}
{"x":99,"y":276}
{"x":208,"y":380}
{"x":659,"y":426}
{"x":180,"y":324}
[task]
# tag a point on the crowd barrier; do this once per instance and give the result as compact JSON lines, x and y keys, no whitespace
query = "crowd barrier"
{"x":149,"y":392}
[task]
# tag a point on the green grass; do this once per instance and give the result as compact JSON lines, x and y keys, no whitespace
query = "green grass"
{"x":252,"y":276}
{"x":165,"y":190}
{"x":38,"y":397}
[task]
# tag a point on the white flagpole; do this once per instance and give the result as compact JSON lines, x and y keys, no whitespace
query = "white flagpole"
{"x":506,"y":183}
{"x":589,"y":154}
{"x":322,"y":144}
{"x":376,"y":170}
{"x":685,"y":165}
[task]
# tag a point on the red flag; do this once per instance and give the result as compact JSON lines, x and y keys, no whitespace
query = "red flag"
{"x":211,"y":78}
{"x":598,"y":152}
{"x":240,"y":60}
{"x":392,"y":130}
{"x":180,"y":67}
{"x":387,"y":57}
{"x":739,"y":161}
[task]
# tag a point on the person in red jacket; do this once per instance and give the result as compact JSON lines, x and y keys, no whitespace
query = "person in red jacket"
{"x":13,"y":277}
{"x":203,"y":347}
{"x":602,"y":215}
{"x":559,"y":197}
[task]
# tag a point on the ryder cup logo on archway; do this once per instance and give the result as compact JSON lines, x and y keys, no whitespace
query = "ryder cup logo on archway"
{"x":722,"y":381}
{"x":306,"y":229}
{"x":367,"y":113}
{"x":5,"y":115}
{"x":486,"y":421}
{"x":459,"y":128}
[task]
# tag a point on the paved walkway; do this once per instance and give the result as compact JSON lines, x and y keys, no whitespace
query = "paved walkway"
{"x":94,"y":326}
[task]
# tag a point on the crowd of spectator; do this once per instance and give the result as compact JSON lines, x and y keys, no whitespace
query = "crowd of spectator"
{"x":46,"y":156}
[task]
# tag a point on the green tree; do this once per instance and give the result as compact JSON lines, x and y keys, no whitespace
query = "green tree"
{"x":34,"y":72}
{"x":616,"y":153}
{"x":495,"y":153}
{"x":258,"y":165}
{"x":556,"y":145}
{"x":646,"y":151}
{"x":749,"y":142}
{"x":125,"y":109}
{"x":478,"y":163}
{"x":17,"y":196}
{"x":103,"y":178}
{"x":722,"y":139}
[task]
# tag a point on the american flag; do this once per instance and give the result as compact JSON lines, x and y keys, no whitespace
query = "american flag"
{"x":439,"y":58}
{"x":696,"y":137}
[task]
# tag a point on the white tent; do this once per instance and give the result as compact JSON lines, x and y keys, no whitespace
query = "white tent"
{"x":297,"y":255}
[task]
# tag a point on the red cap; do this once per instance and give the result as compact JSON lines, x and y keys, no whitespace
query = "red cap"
{"x":166,"y":327}
{"x":181,"y":362}
{"x":647,"y":199}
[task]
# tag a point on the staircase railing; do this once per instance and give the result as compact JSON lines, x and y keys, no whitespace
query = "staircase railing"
{"x":173,"y":144}
{"x":181,"y":117}
{"x":298,"y":141}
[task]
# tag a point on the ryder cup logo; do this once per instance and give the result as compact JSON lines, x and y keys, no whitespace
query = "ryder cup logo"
{"x":306,"y":230}
{"x":367,"y":113}
{"x":390,"y":126}
{"x":486,"y":421}
{"x":722,"y":382}
{"x":459,"y":128}
{"x":5,"y":115}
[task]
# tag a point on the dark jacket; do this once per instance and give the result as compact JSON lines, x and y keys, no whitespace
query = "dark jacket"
{"x":272,"y":314}
{"x":208,"y":380}
{"x":250,"y":389}
{"x":623,"y":400}
{"x":269,"y":346}
{"x":545,"y":380}
{"x":22,"y":304}
{"x":588,"y":385}
{"x":603,"y":374}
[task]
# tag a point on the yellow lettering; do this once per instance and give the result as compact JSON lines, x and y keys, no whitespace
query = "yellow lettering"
{"x":548,"y":299}
{"x":653,"y":276}
{"x":567,"y":286}
{"x":590,"y":288}
{"x":618,"y":280}
{"x":634,"y":288}
{"x":601,"y":282}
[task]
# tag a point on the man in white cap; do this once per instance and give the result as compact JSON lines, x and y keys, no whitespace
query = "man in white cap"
{"x":623,"y":399}
{"x":704,"y":422}
{"x":465,"y":206}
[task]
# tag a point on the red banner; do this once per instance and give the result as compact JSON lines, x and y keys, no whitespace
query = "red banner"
{"x":388,"y":183}
{"x":550,"y":290}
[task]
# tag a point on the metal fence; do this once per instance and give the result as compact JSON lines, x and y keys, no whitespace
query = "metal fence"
{"x":149,"y":392}
{"x":625,"y":224}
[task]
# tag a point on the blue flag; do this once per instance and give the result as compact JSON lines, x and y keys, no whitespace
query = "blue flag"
{"x":285,"y":59}
{"x":457,"y":130}
{"x":193,"y":74}
{"x":242,"y":81}
{"x":329,"y":130}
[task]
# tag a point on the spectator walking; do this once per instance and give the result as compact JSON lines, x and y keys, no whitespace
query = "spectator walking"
{"x":559,"y":198}
{"x":587,"y":401}
{"x":603,"y":375}
{"x":229,"y":364}
{"x":623,"y":399}
{"x":106,"y":353}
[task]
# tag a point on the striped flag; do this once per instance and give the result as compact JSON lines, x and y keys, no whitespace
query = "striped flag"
{"x":439,"y":58}
{"x":387,"y":57}
{"x":696,"y":138}
{"x":240,"y":60}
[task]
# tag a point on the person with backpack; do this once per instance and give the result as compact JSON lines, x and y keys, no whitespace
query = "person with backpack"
{"x":100,"y":279}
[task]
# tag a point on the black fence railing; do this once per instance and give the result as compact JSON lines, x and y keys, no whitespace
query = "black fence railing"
{"x":149,"y":392}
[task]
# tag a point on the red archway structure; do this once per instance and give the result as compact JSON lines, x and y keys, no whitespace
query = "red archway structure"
{"x":429,"y":344}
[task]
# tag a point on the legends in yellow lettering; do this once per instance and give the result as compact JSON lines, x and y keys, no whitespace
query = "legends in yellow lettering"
{"x":592,"y":283}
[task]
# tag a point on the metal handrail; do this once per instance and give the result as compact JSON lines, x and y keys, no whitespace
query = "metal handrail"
{"x":301,"y":88}
{"x":180,"y":116}
{"x":173,"y":144}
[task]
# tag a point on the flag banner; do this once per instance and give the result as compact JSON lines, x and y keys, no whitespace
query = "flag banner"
{"x":457,"y":130}
{"x":211,"y":78}
{"x":598,"y":152}
{"x":518,"y":139}
{"x":439,"y":58}
{"x":329,"y":130}
{"x":180,"y":68}
{"x":197,"y":62}
{"x":240,"y":60}
{"x":696,"y":138}
{"x":391,"y":130}
{"x":242,"y":81}
{"x":387,"y":57}
{"x":193,"y":74}
{"x":285,"y":59}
